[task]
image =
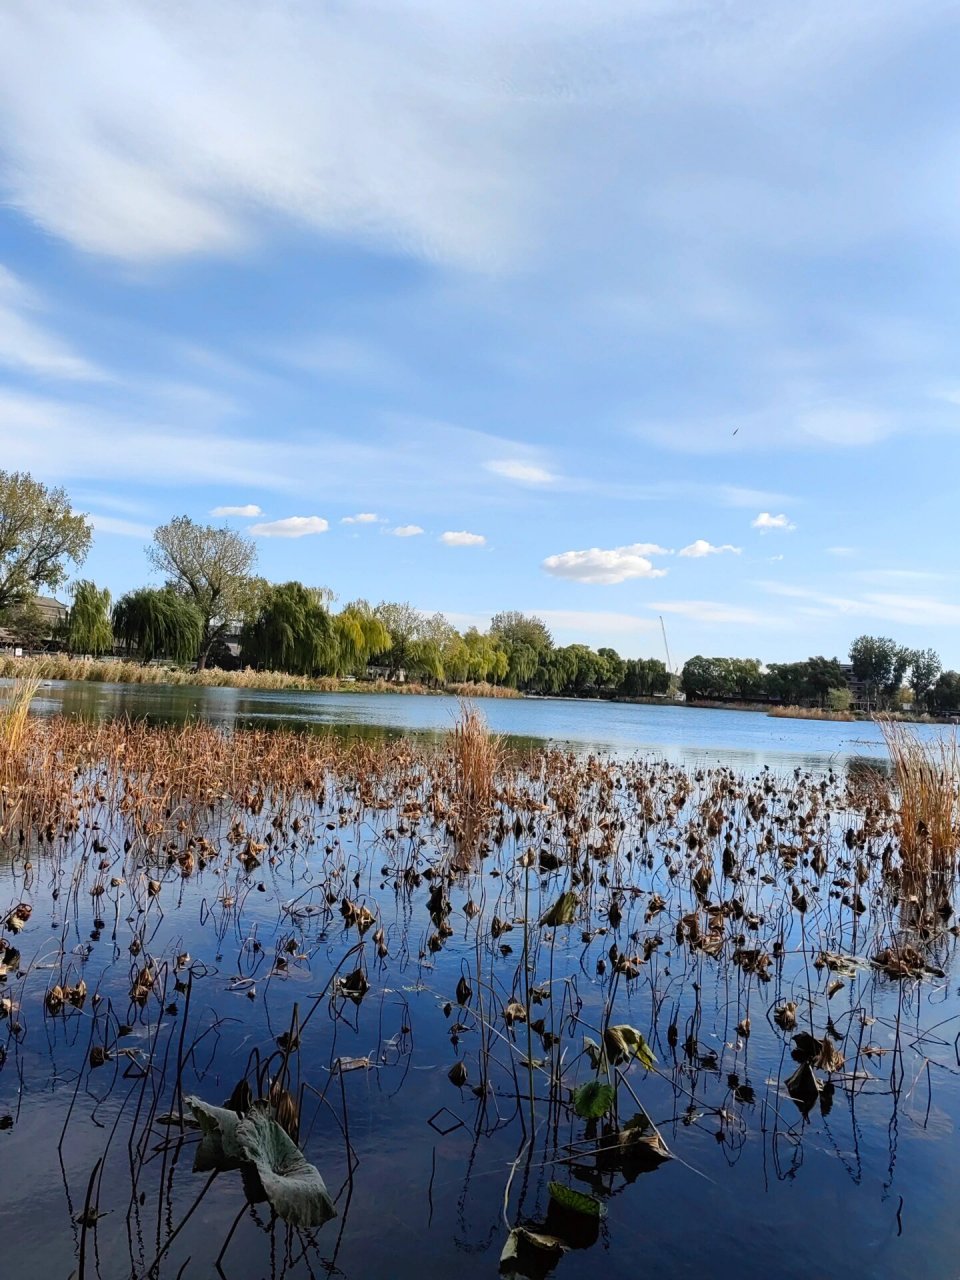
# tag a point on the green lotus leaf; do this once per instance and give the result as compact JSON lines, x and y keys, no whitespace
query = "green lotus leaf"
{"x":292,"y":1185}
{"x":218,"y":1147}
{"x":593,"y":1100}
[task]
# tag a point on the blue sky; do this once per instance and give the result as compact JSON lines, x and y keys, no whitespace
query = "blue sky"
{"x":603,"y":311}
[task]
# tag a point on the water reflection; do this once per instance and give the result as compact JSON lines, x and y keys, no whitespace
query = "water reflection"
{"x":745,"y":740}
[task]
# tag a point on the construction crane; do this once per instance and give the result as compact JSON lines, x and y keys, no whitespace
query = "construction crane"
{"x":665,"y":645}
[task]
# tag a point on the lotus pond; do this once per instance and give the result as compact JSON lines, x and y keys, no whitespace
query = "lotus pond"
{"x":277,"y":1004}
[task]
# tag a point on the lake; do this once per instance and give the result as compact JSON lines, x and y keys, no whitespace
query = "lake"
{"x":240,"y":906}
{"x":743,"y":739}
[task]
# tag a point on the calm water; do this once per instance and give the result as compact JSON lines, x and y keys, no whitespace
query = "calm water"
{"x":743,"y":739}
{"x":861,"y":1187}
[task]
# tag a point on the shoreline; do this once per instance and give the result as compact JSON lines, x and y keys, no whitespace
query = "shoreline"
{"x":57,"y":667}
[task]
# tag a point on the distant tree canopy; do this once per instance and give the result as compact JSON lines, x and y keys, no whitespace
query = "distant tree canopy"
{"x":745,"y":679}
{"x":40,"y":535}
{"x":211,"y":567}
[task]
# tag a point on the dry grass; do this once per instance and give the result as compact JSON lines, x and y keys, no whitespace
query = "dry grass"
{"x":58,"y":666}
{"x":483,"y":690}
{"x":477,"y":758}
{"x":810,"y":713}
{"x":927,"y":777}
{"x":15,"y":702}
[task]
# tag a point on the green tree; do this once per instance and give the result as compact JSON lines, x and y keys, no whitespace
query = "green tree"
{"x":404,"y":625}
{"x":156,"y":623}
{"x":293,"y":631}
{"x":212,"y":567}
{"x":88,"y":627}
{"x":839,"y":699}
{"x":611,"y":669}
{"x":925,"y":667}
{"x":881,"y":664}
{"x":40,"y":535}
{"x":644,"y":677}
{"x":30,"y":625}
{"x":522,"y":662}
{"x":513,"y":628}
{"x":945,"y":694}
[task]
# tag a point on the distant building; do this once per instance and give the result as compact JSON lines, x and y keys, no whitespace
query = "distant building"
{"x":41,"y":617}
{"x":858,"y":688}
{"x":386,"y":673}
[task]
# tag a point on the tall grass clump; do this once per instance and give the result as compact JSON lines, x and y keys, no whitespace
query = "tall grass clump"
{"x":477,"y":757}
{"x":927,"y":777}
{"x":15,"y":702}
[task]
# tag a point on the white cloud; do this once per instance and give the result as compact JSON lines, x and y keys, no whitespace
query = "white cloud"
{"x":290,"y":527}
{"x":765,"y":522}
{"x":606,"y":567}
{"x":462,"y":539}
{"x":250,"y":509}
{"x":701,"y":547}
{"x":843,"y":553}
{"x":124,"y":528}
{"x":362,"y":517}
{"x":406,"y":531}
{"x":523,"y":472}
{"x":27,"y":346}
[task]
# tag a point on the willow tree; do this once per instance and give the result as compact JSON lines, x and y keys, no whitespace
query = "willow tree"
{"x":360,"y":634}
{"x":211,"y":567}
{"x":292,"y":631}
{"x":88,"y":623}
{"x":39,"y":535}
{"x":158,"y":623}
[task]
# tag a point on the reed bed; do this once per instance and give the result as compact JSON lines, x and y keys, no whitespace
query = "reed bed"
{"x":631,"y":951}
{"x":117,"y":671}
{"x":810,"y":713}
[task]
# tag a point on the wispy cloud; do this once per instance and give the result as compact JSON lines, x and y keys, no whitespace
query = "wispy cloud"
{"x":362,"y":517}
{"x":116,"y":525}
{"x":462,"y":538}
{"x":719,"y":613}
{"x":28,"y":345}
{"x":250,"y":509}
{"x":881,"y":606}
{"x":606,"y":567}
{"x":290,"y":527}
{"x":527,"y":473}
{"x":406,"y":531}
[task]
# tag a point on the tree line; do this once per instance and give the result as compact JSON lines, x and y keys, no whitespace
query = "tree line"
{"x":212,"y":601}
{"x":886,"y":676}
